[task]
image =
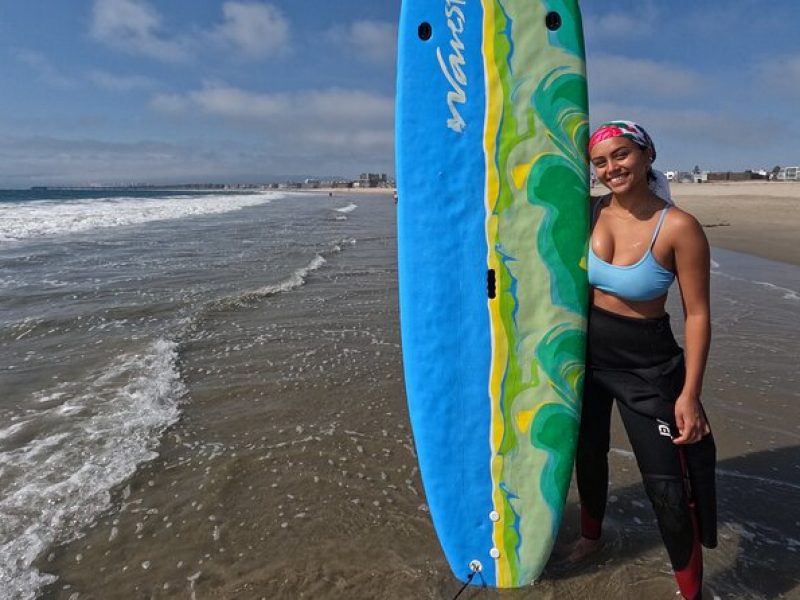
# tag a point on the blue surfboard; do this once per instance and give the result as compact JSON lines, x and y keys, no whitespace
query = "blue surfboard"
{"x":493,"y":191}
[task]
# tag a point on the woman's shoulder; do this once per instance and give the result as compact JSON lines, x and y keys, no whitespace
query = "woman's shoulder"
{"x":677,"y":218}
{"x":680,"y":225}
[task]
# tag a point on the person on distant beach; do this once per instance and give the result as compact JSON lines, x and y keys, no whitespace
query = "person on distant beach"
{"x":640,"y":243}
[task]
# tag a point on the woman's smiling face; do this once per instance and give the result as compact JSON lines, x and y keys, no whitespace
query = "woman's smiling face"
{"x":621,"y":165}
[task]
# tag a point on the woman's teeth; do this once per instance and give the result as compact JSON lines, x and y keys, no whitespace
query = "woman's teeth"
{"x":618,"y":179}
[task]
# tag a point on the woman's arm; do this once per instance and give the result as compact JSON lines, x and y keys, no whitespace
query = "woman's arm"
{"x":692,"y":267}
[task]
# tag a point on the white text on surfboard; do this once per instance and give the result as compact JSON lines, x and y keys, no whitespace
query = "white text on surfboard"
{"x":453,"y":68}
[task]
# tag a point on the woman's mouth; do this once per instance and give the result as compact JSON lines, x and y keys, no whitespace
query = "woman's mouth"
{"x":618,"y":179}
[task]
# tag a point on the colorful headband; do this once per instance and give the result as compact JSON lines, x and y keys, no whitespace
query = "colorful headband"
{"x":626,"y":129}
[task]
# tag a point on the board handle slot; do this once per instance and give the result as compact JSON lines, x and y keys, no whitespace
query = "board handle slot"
{"x":553,"y":21}
{"x":424,"y":31}
{"x":491,"y":284}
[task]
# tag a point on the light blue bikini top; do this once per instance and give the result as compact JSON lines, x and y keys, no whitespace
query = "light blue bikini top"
{"x":641,"y":281}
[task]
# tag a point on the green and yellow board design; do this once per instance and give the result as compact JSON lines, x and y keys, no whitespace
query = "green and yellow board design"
{"x":536,"y":195}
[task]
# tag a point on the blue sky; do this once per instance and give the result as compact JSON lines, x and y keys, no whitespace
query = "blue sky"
{"x":200,"y":90}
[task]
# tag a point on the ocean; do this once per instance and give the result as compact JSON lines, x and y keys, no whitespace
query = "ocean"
{"x":202,"y":396}
{"x":99,"y":292}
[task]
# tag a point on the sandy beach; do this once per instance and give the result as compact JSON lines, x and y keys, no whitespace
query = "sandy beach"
{"x":291,"y":472}
{"x":759,"y":218}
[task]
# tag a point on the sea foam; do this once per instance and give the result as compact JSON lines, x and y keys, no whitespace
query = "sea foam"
{"x":44,"y":218}
{"x":119,"y":418}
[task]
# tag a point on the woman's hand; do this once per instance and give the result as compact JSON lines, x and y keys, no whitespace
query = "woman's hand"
{"x":689,"y":418}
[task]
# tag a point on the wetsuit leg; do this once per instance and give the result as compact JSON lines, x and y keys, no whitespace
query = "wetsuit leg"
{"x":591,"y":465}
{"x":664,"y":474}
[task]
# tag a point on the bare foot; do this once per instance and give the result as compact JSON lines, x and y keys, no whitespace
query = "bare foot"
{"x":581,"y":549}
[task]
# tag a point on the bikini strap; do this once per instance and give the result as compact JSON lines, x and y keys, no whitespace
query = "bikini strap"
{"x":658,"y":226}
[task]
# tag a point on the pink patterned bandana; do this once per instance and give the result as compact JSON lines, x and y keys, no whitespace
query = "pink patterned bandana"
{"x":626,"y":129}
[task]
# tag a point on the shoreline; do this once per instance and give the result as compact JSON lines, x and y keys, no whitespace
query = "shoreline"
{"x":345,"y":191}
{"x":243,"y":190}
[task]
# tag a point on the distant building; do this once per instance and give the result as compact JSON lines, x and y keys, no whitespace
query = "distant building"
{"x":736,"y":175}
{"x":373,"y":180}
{"x":341,"y":183}
{"x":789,"y":174}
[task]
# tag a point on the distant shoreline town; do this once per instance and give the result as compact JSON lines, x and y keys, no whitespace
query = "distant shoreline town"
{"x":697,"y":175}
{"x":364,"y":181}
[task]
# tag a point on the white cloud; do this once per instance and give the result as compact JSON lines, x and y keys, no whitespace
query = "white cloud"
{"x":333,"y":107}
{"x":135,"y":27}
{"x":302,"y":124}
{"x":45,"y":70}
{"x":169,"y":103}
{"x":235,"y":103}
{"x":638,"y":22}
{"x":369,"y":41}
{"x":781,"y":75}
{"x":251,"y":29}
{"x":120,"y":83}
{"x":256,"y":30}
{"x":620,"y":75}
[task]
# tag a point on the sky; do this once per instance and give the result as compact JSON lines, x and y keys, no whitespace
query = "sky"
{"x":158,"y":91}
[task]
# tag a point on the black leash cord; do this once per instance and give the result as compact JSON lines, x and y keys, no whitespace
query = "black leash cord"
{"x":463,"y":587}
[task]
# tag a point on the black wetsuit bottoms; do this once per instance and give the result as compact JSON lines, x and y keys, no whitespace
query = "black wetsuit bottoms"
{"x":638,"y":362}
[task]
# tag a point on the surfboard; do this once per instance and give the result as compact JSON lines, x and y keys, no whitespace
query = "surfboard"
{"x":493,"y":187}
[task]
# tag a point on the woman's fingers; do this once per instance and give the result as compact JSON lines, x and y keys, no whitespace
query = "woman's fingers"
{"x":691,"y":432}
{"x":692,"y":424}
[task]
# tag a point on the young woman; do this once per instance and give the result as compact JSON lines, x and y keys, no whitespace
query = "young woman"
{"x":640,"y":244}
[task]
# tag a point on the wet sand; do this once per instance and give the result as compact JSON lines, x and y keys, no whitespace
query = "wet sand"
{"x":292,"y":471}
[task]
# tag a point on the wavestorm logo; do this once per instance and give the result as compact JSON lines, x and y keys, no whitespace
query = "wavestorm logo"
{"x":453,"y":66}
